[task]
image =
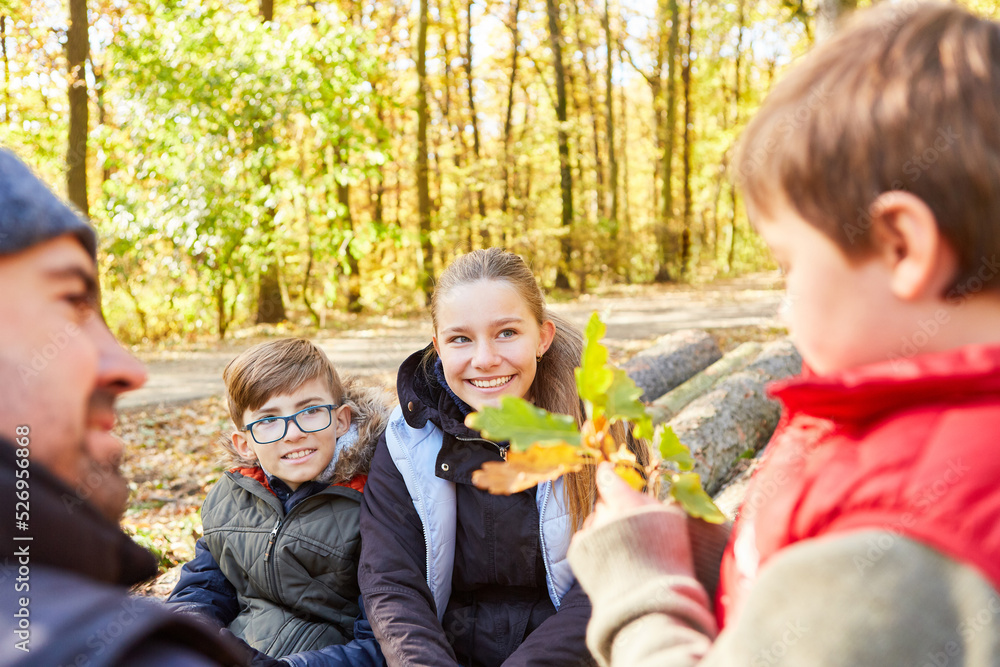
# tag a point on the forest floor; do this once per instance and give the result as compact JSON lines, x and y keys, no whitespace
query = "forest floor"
{"x":171,"y":427}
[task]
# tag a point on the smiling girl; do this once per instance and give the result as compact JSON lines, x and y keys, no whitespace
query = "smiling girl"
{"x":451,"y":574}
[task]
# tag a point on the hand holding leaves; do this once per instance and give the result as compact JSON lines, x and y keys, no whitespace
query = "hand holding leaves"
{"x":545,"y":446}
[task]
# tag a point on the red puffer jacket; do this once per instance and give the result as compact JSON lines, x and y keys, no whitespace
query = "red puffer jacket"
{"x":911,"y":447}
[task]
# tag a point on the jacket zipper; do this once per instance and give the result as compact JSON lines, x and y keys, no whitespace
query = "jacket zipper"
{"x":423,"y":523}
{"x":270,"y":539}
{"x":272,"y":576}
{"x":272,"y":570}
{"x":501,"y":448}
{"x":545,"y":553}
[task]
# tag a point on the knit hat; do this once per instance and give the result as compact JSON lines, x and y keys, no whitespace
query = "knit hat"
{"x":31,"y":214}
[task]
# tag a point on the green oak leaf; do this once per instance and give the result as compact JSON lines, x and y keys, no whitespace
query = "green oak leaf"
{"x":622,"y":398}
{"x":686,"y":489}
{"x":672,"y":449}
{"x":643,"y":427}
{"x":524,"y":425}
{"x":593,"y":377}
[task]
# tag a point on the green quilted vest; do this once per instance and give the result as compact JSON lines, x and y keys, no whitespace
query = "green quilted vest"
{"x":296,"y":575}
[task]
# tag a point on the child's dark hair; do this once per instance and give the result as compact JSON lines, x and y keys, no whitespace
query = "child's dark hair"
{"x":281,"y":367}
{"x":276,"y":367}
{"x":554,"y":386}
{"x":906,"y":97}
{"x":264,"y":370}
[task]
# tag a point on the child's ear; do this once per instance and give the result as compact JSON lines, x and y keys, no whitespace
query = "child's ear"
{"x":906,"y":235}
{"x":434,"y":339}
{"x":342,"y":419}
{"x":243,"y":447}
{"x":548,"y":334}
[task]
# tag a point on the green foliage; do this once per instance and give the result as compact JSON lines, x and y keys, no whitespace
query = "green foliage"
{"x":593,"y":377}
{"x":605,"y":390}
{"x":671,"y":449}
{"x":523,"y":424}
{"x":545,"y":446}
{"x":246,"y":131}
{"x":220,"y":145}
{"x":686,"y":489}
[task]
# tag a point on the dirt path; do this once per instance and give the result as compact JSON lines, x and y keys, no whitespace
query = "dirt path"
{"x":635,"y":315}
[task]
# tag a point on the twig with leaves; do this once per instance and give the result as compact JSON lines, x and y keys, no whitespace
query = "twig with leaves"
{"x":545,"y":446}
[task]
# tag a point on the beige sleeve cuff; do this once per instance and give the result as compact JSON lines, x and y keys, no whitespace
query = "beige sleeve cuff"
{"x":639,"y":575}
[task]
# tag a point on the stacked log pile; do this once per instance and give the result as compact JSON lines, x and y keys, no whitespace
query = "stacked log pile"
{"x":671,"y":360}
{"x":721,"y":411}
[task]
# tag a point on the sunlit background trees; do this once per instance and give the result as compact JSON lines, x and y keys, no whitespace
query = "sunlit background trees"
{"x":248,"y":161}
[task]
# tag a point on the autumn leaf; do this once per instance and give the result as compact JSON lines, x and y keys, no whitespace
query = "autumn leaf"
{"x":593,"y":377}
{"x":523,"y":470}
{"x":672,"y":449}
{"x":686,"y":489}
{"x":643,"y":428}
{"x":545,"y":446}
{"x":631,"y":476}
{"x":622,"y":398}
{"x":521,"y":423}
{"x":595,"y":437}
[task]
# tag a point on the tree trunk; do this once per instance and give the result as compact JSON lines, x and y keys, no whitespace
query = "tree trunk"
{"x":77,"y":49}
{"x":423,"y":187}
{"x":565,"y":175}
{"x":310,"y":250}
{"x":591,"y":87}
{"x":270,"y":301}
{"x":666,"y":163}
{"x":100,"y":85}
{"x":686,"y":78}
{"x":353,"y":267}
{"x":378,"y":213}
{"x":627,"y":209}
{"x":507,"y":166}
{"x":829,"y":15}
{"x":6,"y":69}
{"x":484,"y":232}
{"x":220,"y":311}
{"x":267,"y":10}
{"x":730,"y":253}
{"x":655,"y":81}
{"x":610,"y":133}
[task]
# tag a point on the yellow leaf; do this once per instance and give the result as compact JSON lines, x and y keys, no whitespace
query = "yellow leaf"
{"x":623,"y":455}
{"x":687,"y":490}
{"x":526,"y":469}
{"x":631,"y":476}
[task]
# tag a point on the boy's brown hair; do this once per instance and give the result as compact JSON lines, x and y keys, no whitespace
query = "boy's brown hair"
{"x":907,"y":97}
{"x":276,"y":367}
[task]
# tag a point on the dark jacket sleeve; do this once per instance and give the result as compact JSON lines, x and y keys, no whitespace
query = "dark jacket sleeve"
{"x":392,"y":571}
{"x":362,"y":651}
{"x":203,"y":589}
{"x":561,"y":638}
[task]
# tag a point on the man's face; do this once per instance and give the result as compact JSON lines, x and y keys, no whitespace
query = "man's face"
{"x":61,"y":370}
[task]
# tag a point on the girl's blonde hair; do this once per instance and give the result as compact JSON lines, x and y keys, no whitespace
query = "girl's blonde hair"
{"x":554,"y":386}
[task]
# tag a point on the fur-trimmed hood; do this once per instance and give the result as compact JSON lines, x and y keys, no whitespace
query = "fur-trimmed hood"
{"x":370,"y":409}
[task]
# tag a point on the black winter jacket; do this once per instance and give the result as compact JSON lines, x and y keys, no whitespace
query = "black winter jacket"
{"x":499,"y":612}
{"x":65,"y":576}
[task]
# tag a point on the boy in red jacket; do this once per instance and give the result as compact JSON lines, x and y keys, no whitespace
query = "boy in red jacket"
{"x":870,"y":534}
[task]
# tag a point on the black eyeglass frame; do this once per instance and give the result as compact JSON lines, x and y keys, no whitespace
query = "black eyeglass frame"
{"x":284,"y":431}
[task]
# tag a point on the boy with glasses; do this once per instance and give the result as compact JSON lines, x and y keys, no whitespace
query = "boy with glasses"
{"x":278,"y":561}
